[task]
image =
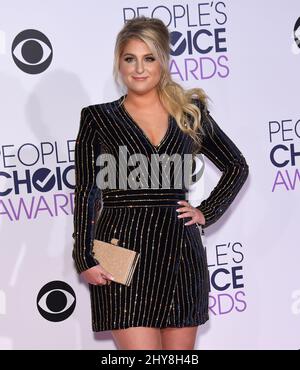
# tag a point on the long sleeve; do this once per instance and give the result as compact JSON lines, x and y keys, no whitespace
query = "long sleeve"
{"x":87,"y":194}
{"x":220,"y":149}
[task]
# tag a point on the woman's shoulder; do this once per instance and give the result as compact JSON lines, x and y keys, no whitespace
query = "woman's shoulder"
{"x":207,"y":123}
{"x":102,"y":114}
{"x":201,"y":103}
{"x":105,"y":106}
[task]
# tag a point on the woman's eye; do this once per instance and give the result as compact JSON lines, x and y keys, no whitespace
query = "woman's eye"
{"x":148,"y":59}
{"x":128,"y":59}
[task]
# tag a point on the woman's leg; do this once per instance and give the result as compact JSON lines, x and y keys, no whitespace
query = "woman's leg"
{"x":137,"y":338}
{"x":178,"y":338}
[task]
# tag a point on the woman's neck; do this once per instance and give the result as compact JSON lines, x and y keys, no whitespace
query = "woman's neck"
{"x":146,"y":100}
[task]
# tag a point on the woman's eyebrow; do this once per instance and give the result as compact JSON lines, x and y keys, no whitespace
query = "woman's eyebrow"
{"x":134,"y":54}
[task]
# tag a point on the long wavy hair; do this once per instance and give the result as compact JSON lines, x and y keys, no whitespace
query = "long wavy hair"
{"x":176,"y":100}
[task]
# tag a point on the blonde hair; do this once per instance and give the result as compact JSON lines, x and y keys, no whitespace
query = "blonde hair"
{"x":176,"y":100}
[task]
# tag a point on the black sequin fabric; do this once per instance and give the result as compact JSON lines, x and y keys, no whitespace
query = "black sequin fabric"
{"x":170,"y":286}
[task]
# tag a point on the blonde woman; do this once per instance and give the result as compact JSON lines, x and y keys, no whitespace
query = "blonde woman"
{"x":168,"y":297}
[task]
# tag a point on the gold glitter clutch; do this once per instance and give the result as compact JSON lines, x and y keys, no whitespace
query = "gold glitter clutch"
{"x":118,"y":261}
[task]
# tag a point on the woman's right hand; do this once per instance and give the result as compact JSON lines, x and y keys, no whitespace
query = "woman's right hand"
{"x":97,"y":275}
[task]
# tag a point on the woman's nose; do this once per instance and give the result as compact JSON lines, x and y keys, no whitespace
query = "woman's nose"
{"x":140,"y":66}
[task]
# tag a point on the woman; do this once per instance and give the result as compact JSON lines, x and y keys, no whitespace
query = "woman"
{"x":168,"y":296}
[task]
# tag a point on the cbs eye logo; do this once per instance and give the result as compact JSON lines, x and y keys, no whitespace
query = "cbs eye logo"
{"x":297,"y":32}
{"x":32,"y":51}
{"x":56,"y":301}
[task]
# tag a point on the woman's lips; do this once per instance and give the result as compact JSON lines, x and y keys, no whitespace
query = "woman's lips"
{"x":139,"y":78}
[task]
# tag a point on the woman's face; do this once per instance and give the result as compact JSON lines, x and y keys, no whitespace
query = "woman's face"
{"x":139,"y":68}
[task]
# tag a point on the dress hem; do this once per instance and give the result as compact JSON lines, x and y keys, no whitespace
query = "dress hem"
{"x":201,"y":322}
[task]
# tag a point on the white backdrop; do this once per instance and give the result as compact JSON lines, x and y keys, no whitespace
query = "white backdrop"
{"x":55,"y":58}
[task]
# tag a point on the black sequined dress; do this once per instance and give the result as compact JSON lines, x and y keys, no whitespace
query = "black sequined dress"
{"x":170,"y":285}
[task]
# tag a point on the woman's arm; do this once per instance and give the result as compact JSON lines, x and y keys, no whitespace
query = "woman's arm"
{"x":220,"y":149}
{"x":87,"y":194}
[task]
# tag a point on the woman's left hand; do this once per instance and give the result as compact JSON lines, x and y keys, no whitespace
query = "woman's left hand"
{"x":189,"y":211}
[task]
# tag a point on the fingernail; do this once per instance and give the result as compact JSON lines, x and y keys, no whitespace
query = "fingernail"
{"x":179,"y":202}
{"x":112,"y":278}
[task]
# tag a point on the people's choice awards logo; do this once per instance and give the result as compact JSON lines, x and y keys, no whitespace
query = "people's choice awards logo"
{"x":227,"y":279}
{"x":56,"y":301}
{"x":32,"y":51}
{"x":284,"y":138}
{"x":198,"y":37}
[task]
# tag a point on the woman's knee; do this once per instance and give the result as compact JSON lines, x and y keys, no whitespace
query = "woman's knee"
{"x":179,"y":338}
{"x":137,"y":338}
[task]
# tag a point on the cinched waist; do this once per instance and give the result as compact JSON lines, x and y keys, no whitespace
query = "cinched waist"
{"x":142,"y":197}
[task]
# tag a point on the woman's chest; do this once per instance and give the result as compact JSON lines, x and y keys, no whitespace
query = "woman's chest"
{"x":124,"y":136}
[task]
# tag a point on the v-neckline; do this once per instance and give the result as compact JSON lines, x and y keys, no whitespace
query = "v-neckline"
{"x":156,"y":147}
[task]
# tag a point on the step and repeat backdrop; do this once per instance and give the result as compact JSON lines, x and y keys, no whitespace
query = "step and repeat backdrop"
{"x":55,"y":58}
